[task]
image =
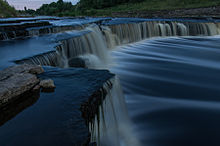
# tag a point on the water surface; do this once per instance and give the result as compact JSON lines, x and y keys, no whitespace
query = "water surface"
{"x":172,"y":88}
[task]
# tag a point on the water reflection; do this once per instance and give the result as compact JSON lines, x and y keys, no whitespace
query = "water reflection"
{"x":11,"y":110}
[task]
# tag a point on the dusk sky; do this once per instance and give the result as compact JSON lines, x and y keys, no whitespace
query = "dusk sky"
{"x":32,"y":4}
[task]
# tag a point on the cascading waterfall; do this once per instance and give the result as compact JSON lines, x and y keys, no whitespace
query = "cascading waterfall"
{"x":111,"y":39}
{"x":45,"y":59}
{"x":128,"y":33}
{"x":111,"y":125}
{"x":3,"y":36}
{"x":90,"y":47}
{"x":93,"y":47}
{"x":36,"y":31}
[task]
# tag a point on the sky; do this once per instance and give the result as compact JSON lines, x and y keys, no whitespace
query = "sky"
{"x":32,"y":4}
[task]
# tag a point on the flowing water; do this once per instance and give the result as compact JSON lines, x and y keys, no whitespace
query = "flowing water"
{"x":172,"y":89}
{"x":168,"y":69}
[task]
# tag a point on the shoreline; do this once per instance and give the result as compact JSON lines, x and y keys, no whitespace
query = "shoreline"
{"x":196,"y":13}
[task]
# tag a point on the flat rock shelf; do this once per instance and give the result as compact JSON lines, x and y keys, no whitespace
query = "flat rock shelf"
{"x":17,"y":80}
{"x":56,"y":118}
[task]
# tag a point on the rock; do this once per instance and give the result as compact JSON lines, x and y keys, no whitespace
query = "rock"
{"x":36,"y":88}
{"x":47,"y":84}
{"x":17,"y":80}
{"x":76,"y":62}
{"x":16,"y":85}
{"x":24,"y":68}
{"x":36,"y":69}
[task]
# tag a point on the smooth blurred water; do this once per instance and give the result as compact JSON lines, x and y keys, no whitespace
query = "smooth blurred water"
{"x":172,"y":88}
{"x":172,"y":84}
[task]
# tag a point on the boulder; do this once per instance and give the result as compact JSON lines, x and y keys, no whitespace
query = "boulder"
{"x":36,"y":69}
{"x":47,"y":84}
{"x":76,"y":62}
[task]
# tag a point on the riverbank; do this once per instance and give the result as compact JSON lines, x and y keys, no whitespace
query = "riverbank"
{"x":142,"y":8}
{"x":158,"y":8}
{"x":205,"y":12}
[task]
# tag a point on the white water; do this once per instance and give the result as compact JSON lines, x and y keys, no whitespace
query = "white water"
{"x":128,"y":33}
{"x":94,"y":46}
{"x":91,"y":47}
{"x":46,"y":59}
{"x":93,"y":62}
{"x":112,"y":126}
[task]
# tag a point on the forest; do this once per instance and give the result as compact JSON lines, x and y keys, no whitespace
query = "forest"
{"x":84,"y":7}
{"x":6,"y":10}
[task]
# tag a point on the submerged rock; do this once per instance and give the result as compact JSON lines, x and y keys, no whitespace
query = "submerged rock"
{"x":17,"y":80}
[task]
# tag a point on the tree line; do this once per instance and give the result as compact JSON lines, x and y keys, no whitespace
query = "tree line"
{"x":106,"y":7}
{"x":100,"y":4}
{"x":6,"y":10}
{"x":83,"y":7}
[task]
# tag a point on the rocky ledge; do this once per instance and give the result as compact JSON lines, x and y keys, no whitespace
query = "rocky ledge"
{"x":62,"y":116}
{"x":18,"y":80}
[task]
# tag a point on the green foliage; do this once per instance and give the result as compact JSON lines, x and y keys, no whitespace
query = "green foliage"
{"x":59,"y":8}
{"x":106,"y":7}
{"x":100,"y":4}
{"x":6,"y":10}
{"x":154,"y":5}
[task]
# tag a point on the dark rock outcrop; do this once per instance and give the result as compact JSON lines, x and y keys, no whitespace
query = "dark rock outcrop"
{"x":76,"y":62}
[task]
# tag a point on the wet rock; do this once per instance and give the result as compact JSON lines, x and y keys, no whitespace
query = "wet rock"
{"x":36,"y":88}
{"x":47,"y":84}
{"x":16,"y":85}
{"x":20,"y":30}
{"x":36,"y":69}
{"x":24,"y":68}
{"x":76,"y":62}
{"x":17,"y":80}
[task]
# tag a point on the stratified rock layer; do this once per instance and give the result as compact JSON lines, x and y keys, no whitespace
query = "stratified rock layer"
{"x":16,"y":80}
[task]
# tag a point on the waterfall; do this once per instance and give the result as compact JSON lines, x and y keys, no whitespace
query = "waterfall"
{"x":93,"y":47}
{"x":111,"y":125}
{"x":3,"y":36}
{"x":128,"y":33}
{"x":36,"y":31}
{"x":111,"y":39}
{"x":45,"y":59}
{"x":93,"y":62}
